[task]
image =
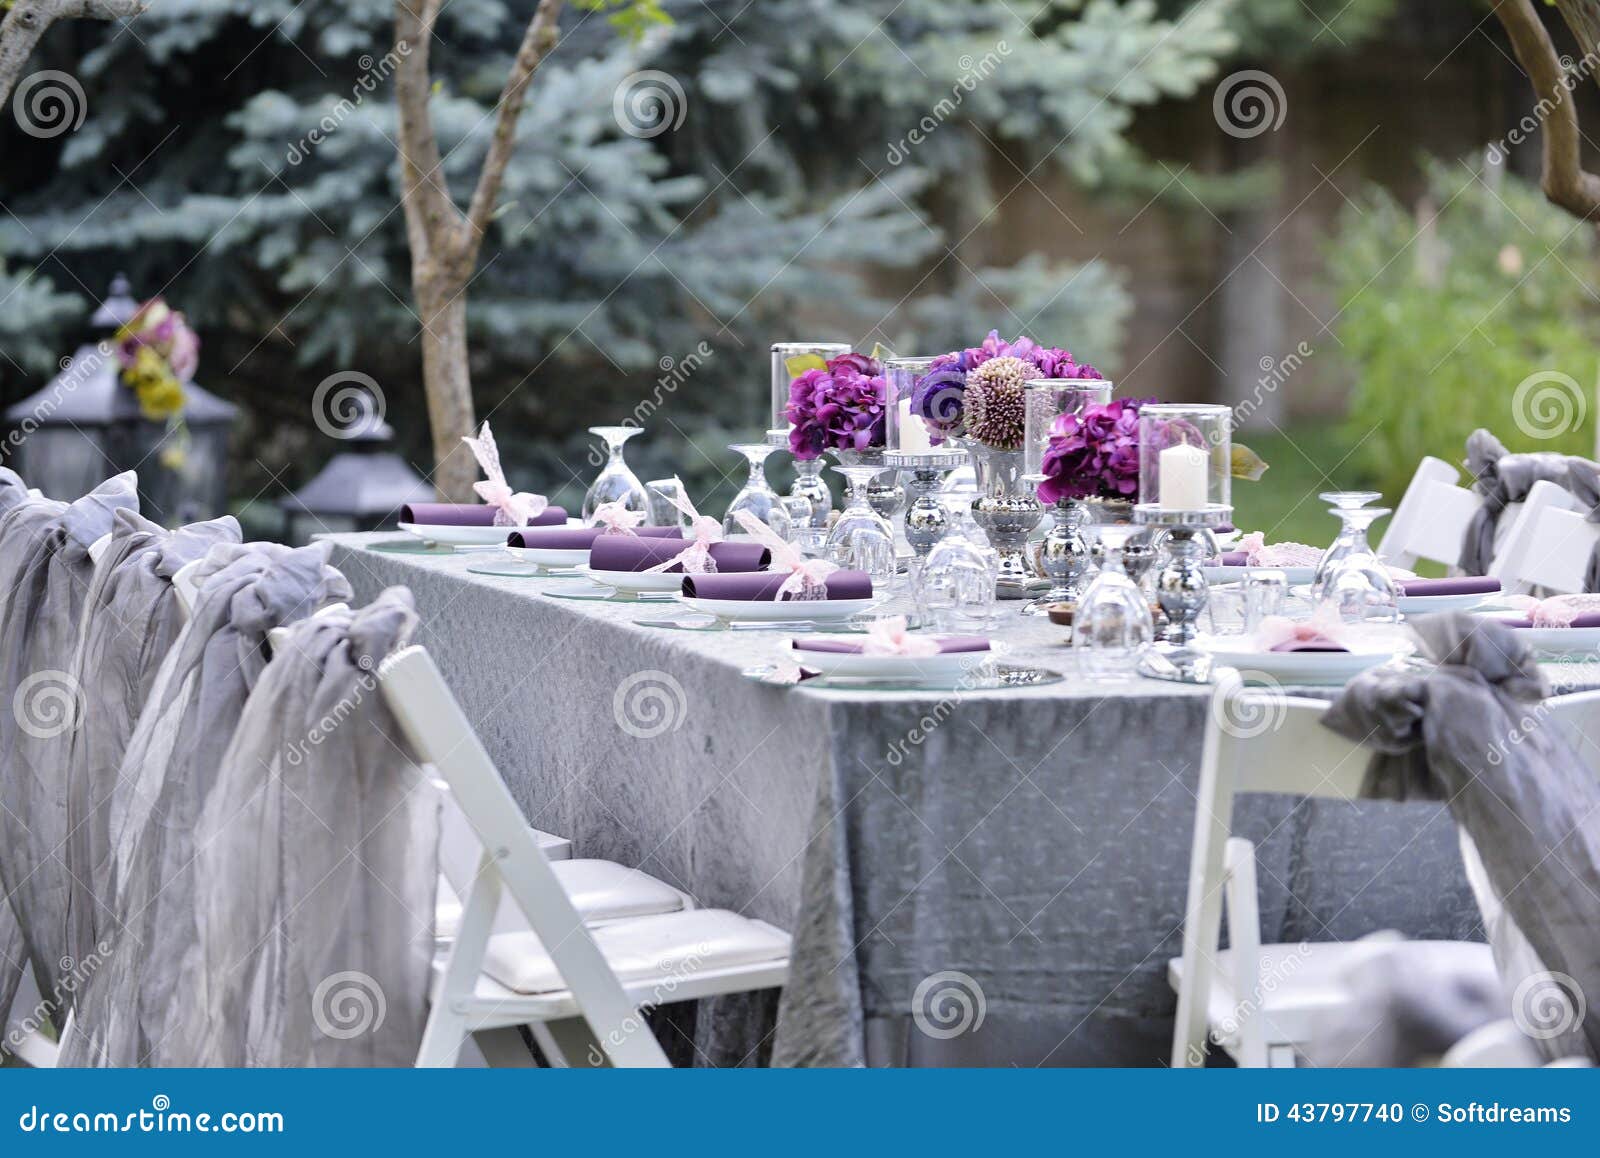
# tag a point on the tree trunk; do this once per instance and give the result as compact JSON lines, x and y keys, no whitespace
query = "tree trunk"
{"x":447,"y":382}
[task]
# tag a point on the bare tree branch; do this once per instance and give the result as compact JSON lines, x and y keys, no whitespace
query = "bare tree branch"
{"x":536,"y":45}
{"x":28,"y":20}
{"x":1565,"y":182}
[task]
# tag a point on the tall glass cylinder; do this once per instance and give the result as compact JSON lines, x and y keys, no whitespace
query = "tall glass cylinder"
{"x":789,"y":361}
{"x":1046,"y":399}
{"x":905,"y":430}
{"x":1185,"y":458}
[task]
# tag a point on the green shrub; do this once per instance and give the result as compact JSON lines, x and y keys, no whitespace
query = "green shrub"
{"x":1445,"y":311}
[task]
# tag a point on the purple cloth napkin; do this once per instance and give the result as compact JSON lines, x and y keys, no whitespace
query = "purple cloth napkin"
{"x":579,"y":538}
{"x":470,"y":515}
{"x":1587,"y":619}
{"x":1318,"y":644}
{"x":1233,"y":559}
{"x":855,"y":646}
{"x":765,"y":584}
{"x":624,"y":553}
{"x":1458,"y":585}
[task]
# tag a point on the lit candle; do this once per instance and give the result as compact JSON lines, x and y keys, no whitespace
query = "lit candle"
{"x":913,"y":431}
{"x":1183,"y":477}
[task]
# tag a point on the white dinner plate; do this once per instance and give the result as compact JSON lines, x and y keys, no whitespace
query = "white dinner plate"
{"x":1305,"y":667}
{"x":1236,"y":574}
{"x":635,"y":580}
{"x":1559,"y":642}
{"x":1432,"y":604}
{"x":941,"y":668}
{"x":550,"y":556}
{"x":779,"y":610}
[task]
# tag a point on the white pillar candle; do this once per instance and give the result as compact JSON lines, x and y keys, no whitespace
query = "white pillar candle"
{"x":1183,"y":476}
{"x":913,"y":431}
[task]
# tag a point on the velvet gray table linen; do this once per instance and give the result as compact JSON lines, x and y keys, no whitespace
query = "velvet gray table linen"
{"x":132,"y":618}
{"x":45,"y":571}
{"x":316,"y":864}
{"x":1470,"y":732}
{"x":1035,"y":840}
{"x":129,"y":1005}
{"x":1502,"y":478}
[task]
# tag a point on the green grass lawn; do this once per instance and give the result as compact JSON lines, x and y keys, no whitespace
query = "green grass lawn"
{"x":1304,"y":461}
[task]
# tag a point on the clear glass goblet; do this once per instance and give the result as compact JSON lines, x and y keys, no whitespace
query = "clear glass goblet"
{"x":1112,"y":626}
{"x":862,"y":539}
{"x":756,"y":497}
{"x":1348,"y":539}
{"x":616,"y":482}
{"x":954,"y":586}
{"x":1358,"y":587}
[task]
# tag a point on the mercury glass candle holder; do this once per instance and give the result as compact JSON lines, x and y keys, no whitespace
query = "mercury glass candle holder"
{"x":1185,"y":458}
{"x":925,"y":472}
{"x":1064,"y":556}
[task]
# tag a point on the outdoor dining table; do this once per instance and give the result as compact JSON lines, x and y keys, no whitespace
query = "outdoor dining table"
{"x":973,"y":877}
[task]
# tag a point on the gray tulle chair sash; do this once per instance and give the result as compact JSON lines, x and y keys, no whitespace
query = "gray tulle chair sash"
{"x":1503,"y":478}
{"x":45,"y":573}
{"x":1471,"y":732}
{"x":130,"y":1011}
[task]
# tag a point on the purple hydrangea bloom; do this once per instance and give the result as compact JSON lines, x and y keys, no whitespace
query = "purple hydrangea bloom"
{"x":836,"y":409}
{"x":1094,"y":454}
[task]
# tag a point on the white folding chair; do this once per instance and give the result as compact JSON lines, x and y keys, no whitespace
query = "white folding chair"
{"x":1551,"y":544}
{"x":579,"y":989}
{"x":1260,"y":1002}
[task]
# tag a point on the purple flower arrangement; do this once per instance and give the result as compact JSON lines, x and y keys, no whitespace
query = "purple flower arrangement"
{"x":838,"y":407}
{"x":940,"y":395}
{"x":1094,"y":454}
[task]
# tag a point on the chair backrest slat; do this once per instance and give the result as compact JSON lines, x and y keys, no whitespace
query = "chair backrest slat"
{"x":442,"y":736}
{"x":1409,"y":525}
{"x":1551,"y":545}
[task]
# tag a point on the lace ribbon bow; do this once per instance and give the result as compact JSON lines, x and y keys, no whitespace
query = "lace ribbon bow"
{"x":1557,"y":611}
{"x":616,"y":518}
{"x":512,"y":508}
{"x":890,"y":636}
{"x":696,"y":557}
{"x":808,"y":578}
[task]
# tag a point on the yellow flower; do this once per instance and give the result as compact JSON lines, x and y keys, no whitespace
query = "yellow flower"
{"x":160,"y":398}
{"x":173,"y":457}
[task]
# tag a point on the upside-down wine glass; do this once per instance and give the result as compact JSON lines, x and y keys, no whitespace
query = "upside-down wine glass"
{"x":1358,"y":587}
{"x":1349,"y":540}
{"x":1112,"y":626}
{"x":756,"y":496}
{"x":616,"y":482}
{"x":862,"y":539}
{"x":954,"y":588}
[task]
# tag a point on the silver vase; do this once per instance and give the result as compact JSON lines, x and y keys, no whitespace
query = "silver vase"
{"x":1064,"y":557}
{"x":1008,"y":512}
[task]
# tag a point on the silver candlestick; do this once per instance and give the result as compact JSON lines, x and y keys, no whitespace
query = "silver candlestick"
{"x":1063,"y":555}
{"x":925,"y":517}
{"x":1181,"y":590}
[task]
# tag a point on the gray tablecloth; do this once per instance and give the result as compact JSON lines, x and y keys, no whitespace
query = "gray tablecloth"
{"x":1019,"y":854}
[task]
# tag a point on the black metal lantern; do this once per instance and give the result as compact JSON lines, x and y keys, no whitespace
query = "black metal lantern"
{"x":86,"y":424}
{"x":362,"y":488}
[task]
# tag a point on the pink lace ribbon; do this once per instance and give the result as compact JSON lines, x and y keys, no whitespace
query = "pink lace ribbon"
{"x":696,"y":557}
{"x":808,"y":578}
{"x":513,"y":508}
{"x":890,"y":636}
{"x":1323,"y":627}
{"x":616,"y":518}
{"x":1556,"y":611}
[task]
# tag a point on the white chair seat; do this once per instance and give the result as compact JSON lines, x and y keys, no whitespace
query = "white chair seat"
{"x":601,"y":890}
{"x":1301,"y":983}
{"x":666,"y":949}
